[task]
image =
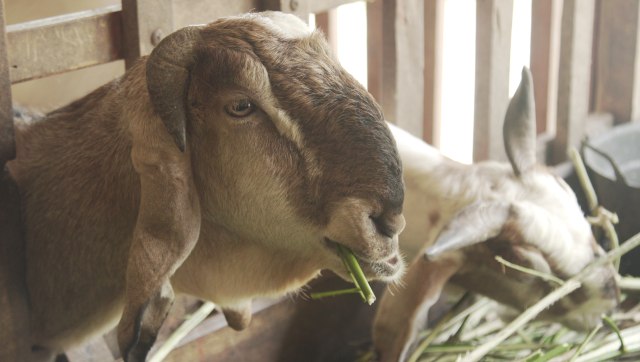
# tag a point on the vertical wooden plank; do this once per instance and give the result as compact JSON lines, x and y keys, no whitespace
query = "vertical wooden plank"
{"x":14,"y":312}
{"x":493,"y":46}
{"x":546,"y":16}
{"x":433,"y":30}
{"x":396,"y":59}
{"x":574,"y":75}
{"x":618,"y":60}
{"x":145,"y":23}
{"x":410,"y":66}
{"x":7,"y":142}
{"x":381,"y":54}
{"x":328,"y":22}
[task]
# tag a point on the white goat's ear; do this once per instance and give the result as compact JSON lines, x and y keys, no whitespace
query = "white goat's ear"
{"x":473,"y":224}
{"x":519,"y":128}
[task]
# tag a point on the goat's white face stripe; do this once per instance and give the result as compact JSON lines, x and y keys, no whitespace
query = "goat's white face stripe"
{"x":288,"y":128}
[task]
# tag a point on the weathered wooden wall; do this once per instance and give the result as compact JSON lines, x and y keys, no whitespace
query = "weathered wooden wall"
{"x":584,"y":58}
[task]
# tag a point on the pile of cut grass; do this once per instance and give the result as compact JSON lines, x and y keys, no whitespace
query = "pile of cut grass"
{"x":463,"y":331}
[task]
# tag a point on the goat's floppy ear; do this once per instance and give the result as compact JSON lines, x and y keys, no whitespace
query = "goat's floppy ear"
{"x":473,"y":224}
{"x":519,"y":129}
{"x":168,"y":70}
{"x":168,"y":223}
{"x":166,"y":231}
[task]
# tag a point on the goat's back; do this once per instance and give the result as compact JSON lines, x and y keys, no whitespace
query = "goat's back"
{"x":79,"y":195}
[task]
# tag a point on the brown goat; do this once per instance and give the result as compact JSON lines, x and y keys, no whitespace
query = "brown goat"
{"x":225,"y":165}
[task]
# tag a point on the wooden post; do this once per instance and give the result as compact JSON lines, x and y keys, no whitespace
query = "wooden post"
{"x":493,"y":47}
{"x":618,"y":60}
{"x":381,"y":54}
{"x":14,"y":312}
{"x":410,"y":66}
{"x":7,"y":142}
{"x":145,"y":23}
{"x":574,"y":75}
{"x":327,"y":22}
{"x":433,"y":30}
{"x":546,"y":16}
{"x":395,"y":42}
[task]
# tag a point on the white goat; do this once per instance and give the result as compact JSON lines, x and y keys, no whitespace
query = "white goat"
{"x":459,"y":217}
{"x":217,"y":167}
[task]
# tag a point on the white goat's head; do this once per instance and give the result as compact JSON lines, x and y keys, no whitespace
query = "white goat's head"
{"x":520,"y":212}
{"x":532,"y":218}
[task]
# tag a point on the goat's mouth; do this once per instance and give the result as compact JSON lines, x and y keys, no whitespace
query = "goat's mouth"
{"x":388,"y":268}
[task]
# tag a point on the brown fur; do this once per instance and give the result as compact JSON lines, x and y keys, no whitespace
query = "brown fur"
{"x":117,"y":217}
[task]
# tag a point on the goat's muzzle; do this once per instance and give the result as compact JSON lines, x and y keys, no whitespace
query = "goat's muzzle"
{"x":371,"y":233}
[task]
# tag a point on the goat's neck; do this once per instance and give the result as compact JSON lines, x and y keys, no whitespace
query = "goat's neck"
{"x":240,"y":269}
{"x":437,"y":188}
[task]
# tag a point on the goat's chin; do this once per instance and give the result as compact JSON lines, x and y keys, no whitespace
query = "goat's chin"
{"x":387,"y":269}
{"x":384,"y":271}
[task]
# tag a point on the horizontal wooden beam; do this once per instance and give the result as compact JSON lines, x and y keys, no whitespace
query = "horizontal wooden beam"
{"x":58,"y":44}
{"x":326,"y":5}
{"x":303,"y":8}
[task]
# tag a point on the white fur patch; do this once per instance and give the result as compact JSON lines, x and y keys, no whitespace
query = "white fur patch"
{"x":287,"y":26}
{"x":288,"y":128}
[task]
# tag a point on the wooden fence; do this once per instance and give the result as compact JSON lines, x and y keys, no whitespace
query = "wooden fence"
{"x":584,"y":59}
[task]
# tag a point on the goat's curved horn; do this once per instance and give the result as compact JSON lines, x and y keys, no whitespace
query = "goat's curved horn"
{"x":519,"y":129}
{"x":474,"y":224}
{"x":168,"y":69}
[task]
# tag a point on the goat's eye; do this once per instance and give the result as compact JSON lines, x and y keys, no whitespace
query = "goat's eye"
{"x":240,"y":108}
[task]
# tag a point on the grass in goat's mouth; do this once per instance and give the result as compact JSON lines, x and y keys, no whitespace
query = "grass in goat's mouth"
{"x":362,"y":287}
